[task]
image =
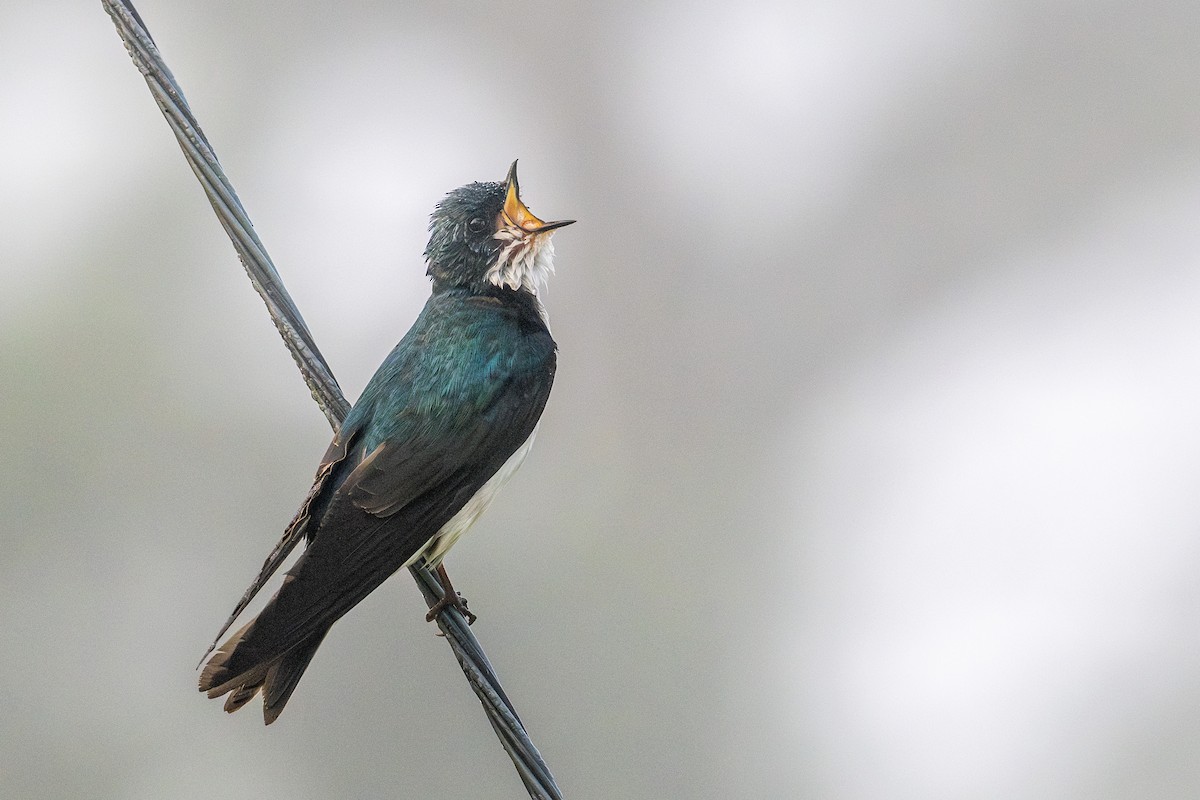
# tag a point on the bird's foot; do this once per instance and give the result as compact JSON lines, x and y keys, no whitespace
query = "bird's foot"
{"x":455,"y":600}
{"x":449,"y":598}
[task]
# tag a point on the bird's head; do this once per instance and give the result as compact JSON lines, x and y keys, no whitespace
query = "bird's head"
{"x":482,"y":236}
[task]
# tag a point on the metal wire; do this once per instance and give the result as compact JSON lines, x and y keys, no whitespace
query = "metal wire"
{"x":324,"y":387}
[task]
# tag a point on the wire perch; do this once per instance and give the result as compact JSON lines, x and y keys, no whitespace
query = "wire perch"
{"x":313,"y":367}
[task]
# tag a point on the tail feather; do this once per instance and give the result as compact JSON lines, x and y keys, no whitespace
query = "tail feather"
{"x":285,"y":674}
{"x":240,"y":696}
{"x":218,"y":676}
{"x":276,"y":677}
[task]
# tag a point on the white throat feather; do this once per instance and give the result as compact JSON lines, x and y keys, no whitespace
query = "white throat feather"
{"x":525,"y":261}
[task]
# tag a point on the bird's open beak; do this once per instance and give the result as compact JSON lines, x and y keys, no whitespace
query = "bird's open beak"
{"x":517,"y":215}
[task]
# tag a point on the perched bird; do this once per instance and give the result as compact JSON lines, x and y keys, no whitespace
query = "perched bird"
{"x":443,"y":424}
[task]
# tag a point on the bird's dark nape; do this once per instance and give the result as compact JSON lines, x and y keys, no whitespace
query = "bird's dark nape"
{"x":462,"y":229}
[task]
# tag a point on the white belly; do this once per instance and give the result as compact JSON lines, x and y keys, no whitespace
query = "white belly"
{"x":437,"y":547}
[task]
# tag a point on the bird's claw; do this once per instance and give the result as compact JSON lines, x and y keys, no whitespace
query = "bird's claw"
{"x":455,"y":600}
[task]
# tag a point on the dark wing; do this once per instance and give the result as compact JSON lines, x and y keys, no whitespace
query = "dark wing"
{"x":411,"y":467}
{"x":390,"y":505}
{"x":334,"y":456}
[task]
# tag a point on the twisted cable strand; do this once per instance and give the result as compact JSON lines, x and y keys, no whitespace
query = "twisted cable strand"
{"x":317,"y":375}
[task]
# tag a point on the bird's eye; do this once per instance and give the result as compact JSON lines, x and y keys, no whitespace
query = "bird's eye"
{"x":476,"y":225}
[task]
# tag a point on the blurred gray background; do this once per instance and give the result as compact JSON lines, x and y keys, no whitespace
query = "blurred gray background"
{"x":870,"y":470}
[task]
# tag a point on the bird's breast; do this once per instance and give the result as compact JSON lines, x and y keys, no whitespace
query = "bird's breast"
{"x":441,"y":542}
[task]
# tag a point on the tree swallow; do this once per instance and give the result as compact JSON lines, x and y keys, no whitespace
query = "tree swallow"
{"x":446,"y":420}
